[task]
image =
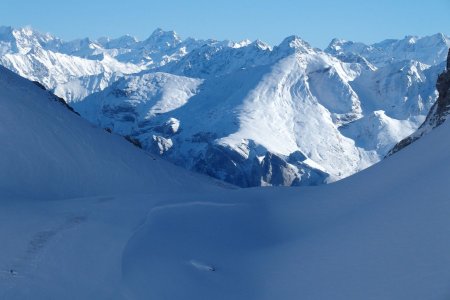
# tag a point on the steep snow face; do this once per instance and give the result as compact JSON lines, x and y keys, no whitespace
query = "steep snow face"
{"x":41,"y":136}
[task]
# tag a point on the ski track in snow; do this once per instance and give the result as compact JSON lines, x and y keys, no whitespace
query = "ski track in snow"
{"x":24,"y":265}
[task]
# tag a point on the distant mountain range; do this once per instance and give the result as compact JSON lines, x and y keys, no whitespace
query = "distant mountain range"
{"x":244,"y":112}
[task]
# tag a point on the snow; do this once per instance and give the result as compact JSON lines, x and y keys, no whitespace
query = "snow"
{"x":40,"y":134}
{"x":381,"y":234}
{"x":380,"y":54}
{"x":85,"y":215}
{"x":344,"y":108}
{"x":253,"y":100}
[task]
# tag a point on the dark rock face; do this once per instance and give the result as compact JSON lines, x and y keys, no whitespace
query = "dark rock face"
{"x":438,"y":112}
{"x":448,"y":60}
{"x":270,"y":169}
{"x":443,"y":102}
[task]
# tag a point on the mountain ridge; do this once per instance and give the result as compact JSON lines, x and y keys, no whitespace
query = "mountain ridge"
{"x":245,"y":111}
{"x":438,"y":112}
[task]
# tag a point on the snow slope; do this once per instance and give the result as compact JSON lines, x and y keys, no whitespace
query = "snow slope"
{"x":40,"y":135}
{"x":380,"y":234}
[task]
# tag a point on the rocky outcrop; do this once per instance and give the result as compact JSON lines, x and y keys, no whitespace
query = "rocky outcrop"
{"x":442,"y":106}
{"x":438,"y":113}
{"x":262,"y":169}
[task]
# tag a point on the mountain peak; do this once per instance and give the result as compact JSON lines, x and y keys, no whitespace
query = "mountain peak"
{"x":438,"y":114}
{"x":440,"y":37}
{"x":162,"y":38}
{"x":160,"y":33}
{"x":261,"y":45}
{"x":295,"y":43}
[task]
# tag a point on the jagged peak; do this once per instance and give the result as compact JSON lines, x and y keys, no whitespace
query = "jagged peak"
{"x":161,"y":35}
{"x":30,"y":32}
{"x":261,"y":45}
{"x":338,"y":41}
{"x":336,"y":45}
{"x":243,"y":43}
{"x":296,"y":43}
{"x":247,"y":43}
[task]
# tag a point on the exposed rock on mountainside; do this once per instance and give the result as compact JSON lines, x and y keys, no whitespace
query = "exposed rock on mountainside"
{"x":438,"y":113}
{"x":442,"y":105}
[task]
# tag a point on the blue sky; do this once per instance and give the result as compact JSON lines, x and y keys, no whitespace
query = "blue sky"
{"x":316,"y":21}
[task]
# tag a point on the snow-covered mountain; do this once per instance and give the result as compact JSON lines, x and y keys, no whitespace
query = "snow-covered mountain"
{"x":430,"y":50}
{"x":85,"y":215}
{"x":291,"y":115}
{"x":76,"y":69}
{"x":246,"y":112}
{"x":438,"y":113}
{"x":42,"y":136}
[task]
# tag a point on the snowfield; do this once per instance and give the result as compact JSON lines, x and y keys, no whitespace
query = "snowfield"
{"x":85,"y":215}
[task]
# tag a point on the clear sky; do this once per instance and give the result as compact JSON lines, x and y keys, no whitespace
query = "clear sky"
{"x":316,"y":21}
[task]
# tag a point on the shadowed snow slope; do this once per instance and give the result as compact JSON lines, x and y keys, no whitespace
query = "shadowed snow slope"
{"x":48,"y":151}
{"x":381,"y":234}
